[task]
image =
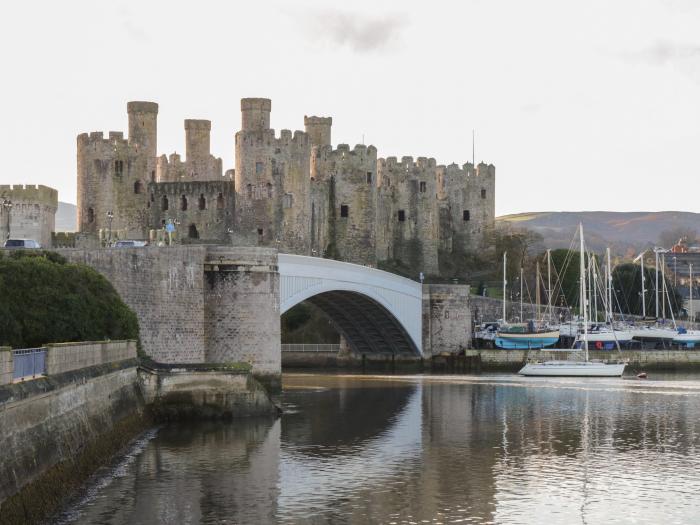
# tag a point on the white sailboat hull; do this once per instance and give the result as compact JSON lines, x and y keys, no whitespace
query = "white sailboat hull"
{"x":573,"y":369}
{"x":654,"y":334}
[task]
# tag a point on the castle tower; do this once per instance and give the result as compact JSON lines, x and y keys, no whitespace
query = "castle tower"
{"x":319,"y":130}
{"x":255,"y":113}
{"x":271,"y":182}
{"x":197,"y":140}
{"x":407,"y":214}
{"x":113,"y":174}
{"x":32,"y":214}
{"x":348,"y":208}
{"x":143,"y":127}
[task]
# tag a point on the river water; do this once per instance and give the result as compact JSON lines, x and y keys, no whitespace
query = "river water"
{"x":355,"y":449}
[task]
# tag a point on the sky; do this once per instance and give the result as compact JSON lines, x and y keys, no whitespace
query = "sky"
{"x":580,"y":105}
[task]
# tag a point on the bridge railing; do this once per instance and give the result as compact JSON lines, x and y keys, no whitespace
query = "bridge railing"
{"x":311,"y":348}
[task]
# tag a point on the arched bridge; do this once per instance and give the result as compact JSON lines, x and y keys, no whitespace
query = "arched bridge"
{"x":375,"y":311}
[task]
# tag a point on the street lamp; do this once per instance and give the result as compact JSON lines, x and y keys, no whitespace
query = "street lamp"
{"x":110,"y":217}
{"x":7,"y":204}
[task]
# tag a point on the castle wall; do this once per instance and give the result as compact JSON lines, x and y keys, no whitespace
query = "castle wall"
{"x":200,"y":164}
{"x":350,"y":175}
{"x":409,"y":216}
{"x":32,"y":214}
{"x":272,"y":184}
{"x":200,"y":210}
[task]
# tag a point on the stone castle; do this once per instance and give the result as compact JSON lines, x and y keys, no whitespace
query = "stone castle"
{"x":27,"y":212}
{"x":293,"y":191}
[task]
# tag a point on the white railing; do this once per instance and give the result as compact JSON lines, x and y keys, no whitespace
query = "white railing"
{"x":310,"y":348}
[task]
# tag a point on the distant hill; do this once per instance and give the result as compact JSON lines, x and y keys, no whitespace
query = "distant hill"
{"x":625,"y":232}
{"x":66,"y":217}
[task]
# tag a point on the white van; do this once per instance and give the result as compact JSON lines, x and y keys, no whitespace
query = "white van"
{"x":21,"y":243}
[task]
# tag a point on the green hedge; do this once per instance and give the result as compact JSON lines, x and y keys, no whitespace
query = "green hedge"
{"x":43,"y":299}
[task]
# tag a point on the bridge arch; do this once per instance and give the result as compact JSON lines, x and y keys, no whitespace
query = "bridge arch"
{"x":375,"y":311}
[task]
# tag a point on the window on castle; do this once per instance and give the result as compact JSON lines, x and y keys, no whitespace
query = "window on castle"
{"x":344,"y":210}
{"x":91,"y":215}
{"x":153,"y":198}
{"x":422,"y":187}
{"x":202,"y":202}
{"x":118,"y":167}
{"x":183,"y":203}
{"x":388,"y":182}
{"x":153,"y":175}
{"x":465,"y":215}
{"x":258,"y":167}
{"x":164,"y":203}
{"x":483,"y":193}
{"x":287,"y":200}
{"x":260,"y":234}
{"x":269,"y":190}
{"x":192,"y":232}
{"x":220,"y":201}
{"x":402,"y":216}
{"x":138,"y":187}
{"x":369,"y":177}
{"x":249,"y":191}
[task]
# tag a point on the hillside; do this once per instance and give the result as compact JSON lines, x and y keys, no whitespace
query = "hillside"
{"x":66,"y":217}
{"x":624,"y":232}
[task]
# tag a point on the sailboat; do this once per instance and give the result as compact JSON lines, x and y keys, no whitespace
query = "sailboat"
{"x":573,"y":368}
{"x":684,"y":337}
{"x":522,"y":336}
{"x":655,"y":332}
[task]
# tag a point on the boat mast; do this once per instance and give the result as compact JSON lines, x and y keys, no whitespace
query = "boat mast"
{"x":549,"y":283}
{"x":537,"y":290}
{"x":644,"y":295}
{"x":582,"y":270}
{"x":609,"y":285}
{"x":504,"y":286}
{"x":692,"y":317}
{"x":664,"y":291}
{"x":521,"y":295}
{"x":595,"y":288}
{"x":656,"y":283}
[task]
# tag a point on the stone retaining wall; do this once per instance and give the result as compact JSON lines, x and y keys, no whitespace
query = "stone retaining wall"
{"x":64,"y":357}
{"x":6,"y":365}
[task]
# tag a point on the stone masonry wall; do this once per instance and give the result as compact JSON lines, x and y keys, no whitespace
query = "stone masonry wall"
{"x":64,"y":357}
{"x":6,"y":365}
{"x":165,"y":288}
{"x":242,"y":318}
{"x":446,"y":318}
{"x":487,"y":309}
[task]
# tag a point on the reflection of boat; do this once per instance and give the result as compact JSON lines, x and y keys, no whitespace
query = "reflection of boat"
{"x":572,"y":367}
{"x":523,"y":336}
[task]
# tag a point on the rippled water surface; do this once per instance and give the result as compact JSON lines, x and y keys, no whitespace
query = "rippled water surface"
{"x":423,"y":449}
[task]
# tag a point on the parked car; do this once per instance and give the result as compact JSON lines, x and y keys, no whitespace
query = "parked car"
{"x":130,"y":244}
{"x":22,"y":243}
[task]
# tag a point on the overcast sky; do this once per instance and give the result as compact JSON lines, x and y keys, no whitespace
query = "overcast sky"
{"x":581,"y":105}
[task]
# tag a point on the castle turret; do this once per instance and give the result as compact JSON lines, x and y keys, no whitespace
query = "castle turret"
{"x":197,"y":140}
{"x":319,"y":130}
{"x":143,"y":126}
{"x":272,"y":182}
{"x":255,"y":114}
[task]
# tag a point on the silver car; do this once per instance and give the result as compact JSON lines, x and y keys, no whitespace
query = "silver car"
{"x":21,"y":243}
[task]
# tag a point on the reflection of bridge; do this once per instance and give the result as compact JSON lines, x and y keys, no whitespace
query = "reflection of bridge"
{"x":375,"y":311}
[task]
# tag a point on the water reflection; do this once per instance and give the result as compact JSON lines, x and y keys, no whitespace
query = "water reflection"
{"x":432,"y":449}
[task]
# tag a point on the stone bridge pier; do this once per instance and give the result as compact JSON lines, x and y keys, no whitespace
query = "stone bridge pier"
{"x":222,"y":304}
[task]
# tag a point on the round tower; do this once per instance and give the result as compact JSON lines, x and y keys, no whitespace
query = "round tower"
{"x":255,"y":113}
{"x":197,"y":140}
{"x":319,"y":130}
{"x":143,"y":126}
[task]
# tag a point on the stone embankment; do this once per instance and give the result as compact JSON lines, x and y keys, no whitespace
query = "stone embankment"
{"x":93,"y":399}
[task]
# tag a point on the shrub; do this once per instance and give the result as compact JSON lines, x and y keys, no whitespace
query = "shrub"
{"x":43,"y":299}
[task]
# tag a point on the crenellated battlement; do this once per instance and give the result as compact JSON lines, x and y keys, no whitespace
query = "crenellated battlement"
{"x":270,"y":138}
{"x":407,"y":163}
{"x":35,"y":194}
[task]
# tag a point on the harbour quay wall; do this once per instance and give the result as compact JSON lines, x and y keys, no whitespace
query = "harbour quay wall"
{"x":96,"y":397}
{"x":56,"y":430}
{"x":486,"y":309}
{"x":513,"y":360}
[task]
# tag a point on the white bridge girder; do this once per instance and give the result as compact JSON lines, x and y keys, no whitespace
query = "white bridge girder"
{"x":302,"y":278}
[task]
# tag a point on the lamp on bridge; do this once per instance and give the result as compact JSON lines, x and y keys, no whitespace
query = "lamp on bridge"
{"x":110,"y":217}
{"x":7,"y":204}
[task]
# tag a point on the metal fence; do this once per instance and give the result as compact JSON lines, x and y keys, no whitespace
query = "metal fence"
{"x":310,"y":348}
{"x":29,"y":363}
